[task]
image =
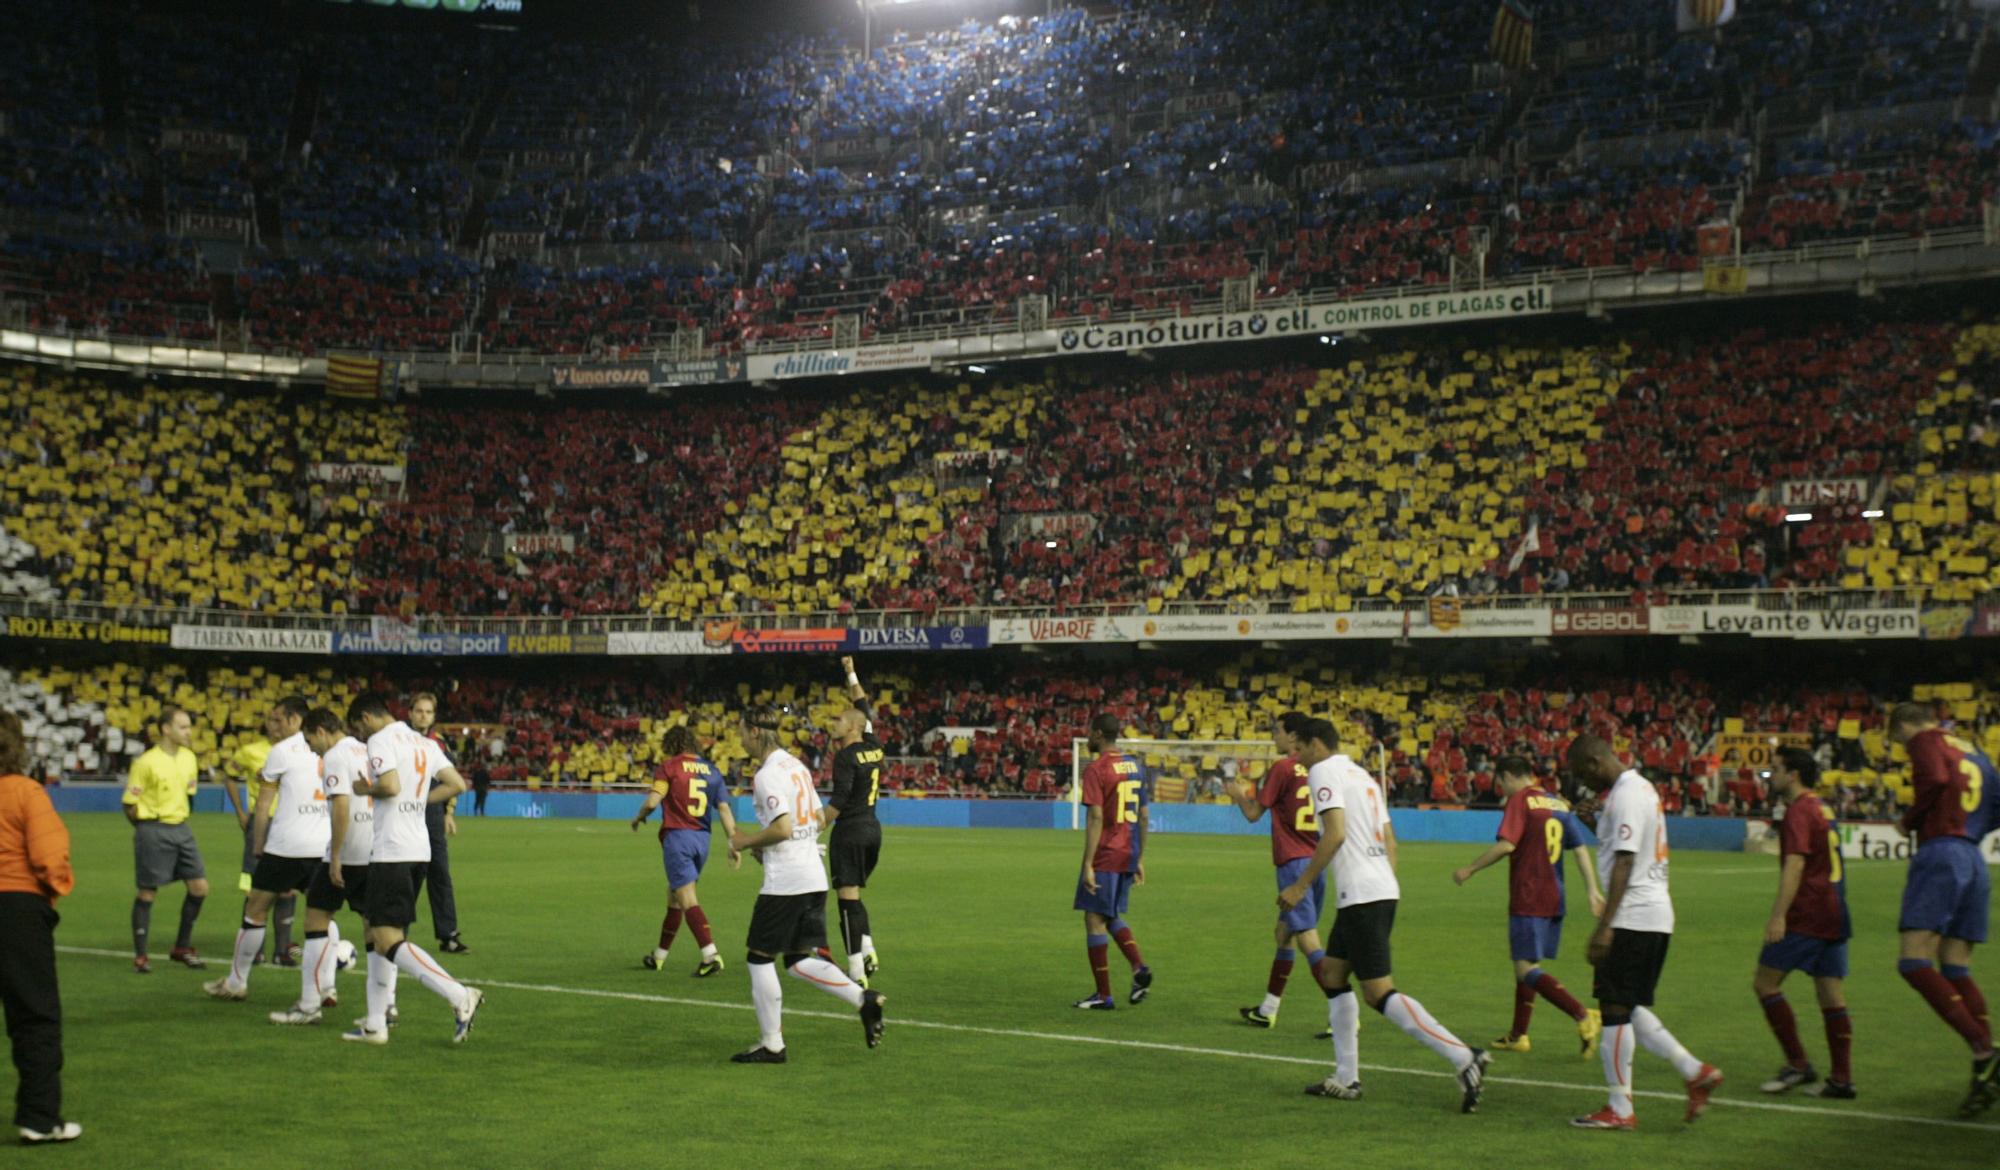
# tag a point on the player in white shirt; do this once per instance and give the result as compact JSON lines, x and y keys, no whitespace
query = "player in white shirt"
{"x":405,"y":772}
{"x":1355,"y":835}
{"x":287,"y":838}
{"x":1629,"y":946}
{"x":790,"y":918}
{"x":342,"y":877}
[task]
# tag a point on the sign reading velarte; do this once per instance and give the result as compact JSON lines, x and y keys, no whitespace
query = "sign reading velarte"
{"x":1015,"y":631}
{"x":919,"y":638}
{"x":65,"y":630}
{"x":252,"y":640}
{"x":1619,"y":620}
{"x":1388,"y":313}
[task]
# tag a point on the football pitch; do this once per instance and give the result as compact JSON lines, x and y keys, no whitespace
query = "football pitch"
{"x":581,"y":1058}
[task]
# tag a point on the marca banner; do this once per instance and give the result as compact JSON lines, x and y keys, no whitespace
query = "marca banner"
{"x":1428,"y":309}
{"x":523,"y":544}
{"x":251,"y":640}
{"x":1755,"y":749}
{"x":66,"y":630}
{"x":660,"y":643}
{"x":1802,"y":624}
{"x":1805,"y":493}
{"x":1874,"y":841}
{"x":826,"y":362}
{"x":356,"y":473}
{"x":1618,"y":620}
{"x":428,"y":645}
{"x":919,"y":638}
{"x":558,"y":644}
{"x":1059,"y":524}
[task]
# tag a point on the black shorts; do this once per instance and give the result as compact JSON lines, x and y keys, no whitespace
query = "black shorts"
{"x":1360,"y":937}
{"x":788,"y":924}
{"x":282,"y":875}
{"x":163,"y":854}
{"x":853,"y":852}
{"x":392,"y":893}
{"x":1631,"y":972}
{"x":322,"y":895}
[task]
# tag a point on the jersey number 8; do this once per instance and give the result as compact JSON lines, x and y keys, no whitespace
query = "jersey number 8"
{"x":1552,"y":830}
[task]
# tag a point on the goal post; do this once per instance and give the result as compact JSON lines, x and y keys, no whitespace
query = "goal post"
{"x":1180,"y":770}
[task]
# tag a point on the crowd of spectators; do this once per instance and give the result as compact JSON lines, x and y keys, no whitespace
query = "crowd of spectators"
{"x":1129,"y":159}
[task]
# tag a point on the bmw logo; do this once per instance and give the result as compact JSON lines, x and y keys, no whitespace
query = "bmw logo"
{"x":1069,"y":339}
{"x":1256,"y":323}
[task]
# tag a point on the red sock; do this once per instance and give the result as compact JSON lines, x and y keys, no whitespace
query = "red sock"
{"x":1840,"y":1042}
{"x":669,"y":927}
{"x":1100,"y":964}
{"x":1524,"y":1010}
{"x":698,"y":925}
{"x":1122,"y":935}
{"x":1975,"y":1000}
{"x":1281,"y":971}
{"x":1778,"y":1013}
{"x":1946,"y":1002}
{"x":1552,"y":990}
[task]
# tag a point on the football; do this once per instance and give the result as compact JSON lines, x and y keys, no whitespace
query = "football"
{"x":343,"y":955}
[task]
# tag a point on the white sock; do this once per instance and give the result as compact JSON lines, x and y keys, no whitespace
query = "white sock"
{"x":1661,"y":1043}
{"x":310,"y":975}
{"x":769,"y":996}
{"x":381,"y":991}
{"x":1421,"y":1026}
{"x":412,"y":961}
{"x":1343,"y":1016}
{"x":1615,"y":1046}
{"x":249,"y":941}
{"x":868,"y":944}
{"x":857,"y":966}
{"x":1270,"y":1005}
{"x":708,"y":953}
{"x":659,"y":954}
{"x":828,"y":978}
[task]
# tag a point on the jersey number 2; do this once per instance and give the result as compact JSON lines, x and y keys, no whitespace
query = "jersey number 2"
{"x":1305,"y":820}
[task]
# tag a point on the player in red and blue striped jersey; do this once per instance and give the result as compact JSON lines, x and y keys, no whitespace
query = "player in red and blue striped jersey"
{"x":1808,"y":930}
{"x":1536,"y":829}
{"x":1945,"y":899}
{"x":1294,"y":836}
{"x":690,"y":794}
{"x":1114,"y":838}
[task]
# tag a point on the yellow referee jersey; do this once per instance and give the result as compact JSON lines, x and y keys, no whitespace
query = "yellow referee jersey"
{"x":249,"y":762}
{"x":162,"y":786}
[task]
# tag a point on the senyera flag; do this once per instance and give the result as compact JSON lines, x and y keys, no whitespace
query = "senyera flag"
{"x":353,"y":377}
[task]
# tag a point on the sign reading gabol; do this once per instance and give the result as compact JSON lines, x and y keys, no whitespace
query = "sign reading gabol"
{"x":1618,"y":620}
{"x":66,"y":630}
{"x":251,"y":640}
{"x":1755,"y":749}
{"x":357,"y":473}
{"x":1387,"y":313}
{"x":661,"y":643}
{"x":919,"y":638}
{"x":1804,"y":493}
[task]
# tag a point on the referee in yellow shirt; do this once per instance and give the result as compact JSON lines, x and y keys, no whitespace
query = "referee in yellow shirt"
{"x":158,"y":798}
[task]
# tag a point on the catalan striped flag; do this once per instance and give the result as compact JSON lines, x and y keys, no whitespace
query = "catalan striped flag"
{"x":348,"y":376}
{"x":1514,"y":34}
{"x":1696,"y":15}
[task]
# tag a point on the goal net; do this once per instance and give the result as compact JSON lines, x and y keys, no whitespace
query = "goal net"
{"x":1181,"y":771}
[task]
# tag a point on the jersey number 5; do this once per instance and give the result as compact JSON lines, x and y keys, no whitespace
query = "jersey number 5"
{"x":697,"y":797}
{"x":1128,"y":802}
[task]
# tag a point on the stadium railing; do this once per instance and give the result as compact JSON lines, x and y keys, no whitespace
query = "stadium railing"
{"x":1864,"y":262}
{"x":161,"y":617}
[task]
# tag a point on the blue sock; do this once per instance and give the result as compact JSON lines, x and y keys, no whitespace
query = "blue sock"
{"x":1905,"y":966}
{"x":1954,"y":972}
{"x":1532,"y":977}
{"x":1313,"y":958}
{"x":1287,"y":954}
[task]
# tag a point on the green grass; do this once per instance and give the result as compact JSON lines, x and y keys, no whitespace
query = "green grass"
{"x":976,"y":933}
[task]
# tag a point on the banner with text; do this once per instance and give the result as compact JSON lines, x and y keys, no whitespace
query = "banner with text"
{"x":1470,"y":623}
{"x":1805,"y":493}
{"x":428,"y":645}
{"x":1265,"y":325}
{"x":919,"y":638}
{"x":1755,"y":749}
{"x":84,"y":630}
{"x":357,"y":473}
{"x":1617,"y":621}
{"x":822,"y":363}
{"x":1802,"y":624}
{"x":660,"y":643}
{"x":252,"y":641}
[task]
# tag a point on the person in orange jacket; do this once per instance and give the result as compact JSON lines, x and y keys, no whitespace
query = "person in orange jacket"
{"x":34,"y":872}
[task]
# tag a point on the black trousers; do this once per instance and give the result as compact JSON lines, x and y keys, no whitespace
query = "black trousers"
{"x":444,"y":907}
{"x":33,"y":1005}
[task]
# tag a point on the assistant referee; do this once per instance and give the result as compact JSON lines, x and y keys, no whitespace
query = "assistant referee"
{"x":159,"y":794}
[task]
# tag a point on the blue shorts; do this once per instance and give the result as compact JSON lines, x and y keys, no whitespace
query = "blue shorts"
{"x":1947,"y":890}
{"x":1821,"y":958}
{"x":1533,"y":939}
{"x":1109,"y":900}
{"x":685,"y":851}
{"x":1305,"y":915}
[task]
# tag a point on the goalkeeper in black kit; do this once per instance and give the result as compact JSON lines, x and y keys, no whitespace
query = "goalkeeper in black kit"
{"x":856,"y":844}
